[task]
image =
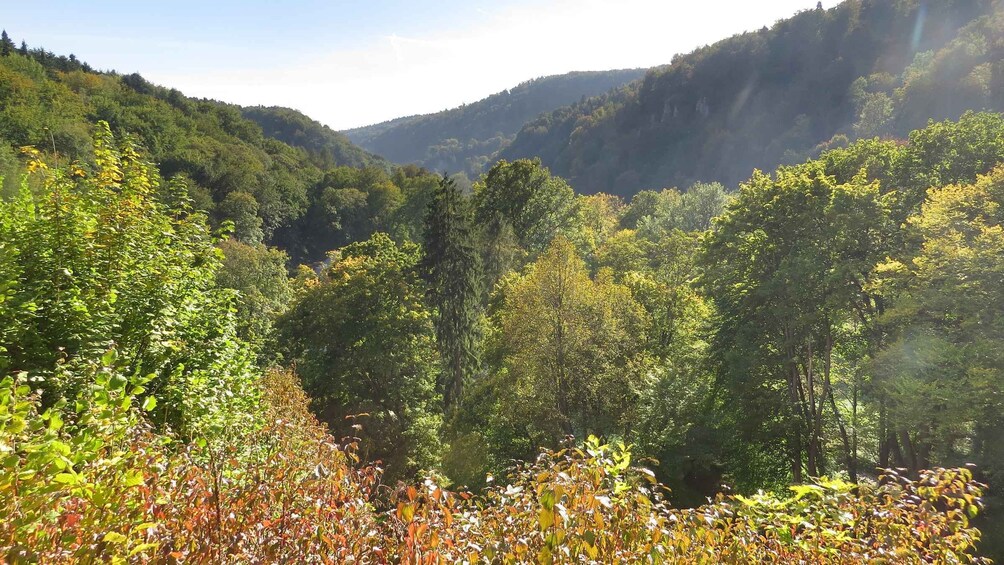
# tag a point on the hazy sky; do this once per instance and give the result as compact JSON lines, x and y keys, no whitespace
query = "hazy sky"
{"x":352,"y":63}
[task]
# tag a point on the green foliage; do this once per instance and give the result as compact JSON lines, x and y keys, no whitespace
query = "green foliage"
{"x":258,"y":274}
{"x":94,"y":262}
{"x":521,"y":208}
{"x":570,"y":350}
{"x":326,"y":147}
{"x":673,"y":422}
{"x":942,"y":371}
{"x":466,"y":138}
{"x":350,"y":205}
{"x":234,"y":171}
{"x":364,"y":344}
{"x":242,"y":209}
{"x":691,"y":211}
{"x":778,"y":95}
{"x":452,"y":268}
{"x":787,"y":265}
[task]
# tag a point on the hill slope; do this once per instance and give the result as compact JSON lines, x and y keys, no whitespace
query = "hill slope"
{"x":232,"y":168}
{"x":326,"y":147}
{"x":755,"y":100}
{"x":465,"y":138}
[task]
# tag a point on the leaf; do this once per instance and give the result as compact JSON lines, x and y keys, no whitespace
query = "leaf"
{"x":407,"y":512}
{"x":134,"y":478}
{"x":149,"y":403}
{"x":545,"y":518}
{"x":118,"y":382}
{"x":114,"y":537}
{"x":55,"y":421}
{"x":16,"y":425}
{"x":802,"y":490}
{"x":143,"y":547}
{"x":109,"y":358}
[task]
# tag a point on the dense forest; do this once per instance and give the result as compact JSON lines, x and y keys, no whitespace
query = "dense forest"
{"x":779,"y":95}
{"x":228,"y":335}
{"x":233,"y":169}
{"x":466,"y":139}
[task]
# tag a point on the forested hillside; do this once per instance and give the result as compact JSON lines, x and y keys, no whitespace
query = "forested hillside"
{"x":232,"y":169}
{"x":779,"y":95}
{"x":219,"y":347}
{"x":327,"y":148}
{"x":465,"y":139}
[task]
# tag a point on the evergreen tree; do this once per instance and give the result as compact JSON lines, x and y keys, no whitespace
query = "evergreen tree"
{"x":24,"y":49}
{"x":452,"y":268}
{"x":6,"y":45}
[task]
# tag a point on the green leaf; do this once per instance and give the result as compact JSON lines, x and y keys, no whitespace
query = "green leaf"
{"x":118,"y":382}
{"x":149,"y":403}
{"x":60,"y":448}
{"x":55,"y":421}
{"x":545,"y":518}
{"x":134,"y":478}
{"x":109,"y":358}
{"x":16,"y":426}
{"x":143,"y":547}
{"x":115,"y":537}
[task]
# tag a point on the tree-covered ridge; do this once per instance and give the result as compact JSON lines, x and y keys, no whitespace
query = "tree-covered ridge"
{"x":466,"y":139}
{"x":327,"y":148}
{"x":233,"y":170}
{"x":779,"y":95}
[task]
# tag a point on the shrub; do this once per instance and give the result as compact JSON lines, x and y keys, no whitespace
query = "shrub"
{"x":110,"y":488}
{"x":589,"y":505}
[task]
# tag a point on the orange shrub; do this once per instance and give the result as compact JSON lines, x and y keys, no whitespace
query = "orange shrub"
{"x":124,"y":492}
{"x":588,"y":505}
{"x":107,"y":487}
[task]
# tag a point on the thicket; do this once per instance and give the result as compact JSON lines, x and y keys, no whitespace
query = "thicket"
{"x":141,"y":428}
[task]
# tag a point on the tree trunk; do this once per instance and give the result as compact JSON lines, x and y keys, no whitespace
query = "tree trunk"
{"x":810,"y":388}
{"x":912,"y":463}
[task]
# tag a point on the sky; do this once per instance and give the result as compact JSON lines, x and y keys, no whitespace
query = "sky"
{"x":353,"y":63}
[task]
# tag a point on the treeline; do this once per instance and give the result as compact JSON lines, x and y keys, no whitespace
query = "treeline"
{"x":466,"y":139}
{"x":139,"y":421}
{"x":779,"y":96}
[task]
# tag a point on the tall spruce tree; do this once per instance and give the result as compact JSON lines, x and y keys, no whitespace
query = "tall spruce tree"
{"x":452,"y":268}
{"x":6,"y":45}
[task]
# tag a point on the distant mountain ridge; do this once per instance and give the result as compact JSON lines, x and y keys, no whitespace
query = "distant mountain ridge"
{"x":778,"y":95}
{"x":467,"y":137}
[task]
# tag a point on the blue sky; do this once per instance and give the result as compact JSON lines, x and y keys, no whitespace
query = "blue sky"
{"x":351,"y":63}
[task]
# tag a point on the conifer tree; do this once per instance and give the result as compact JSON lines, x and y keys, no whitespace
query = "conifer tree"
{"x":24,"y":49}
{"x":452,"y":269}
{"x":6,"y":45}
